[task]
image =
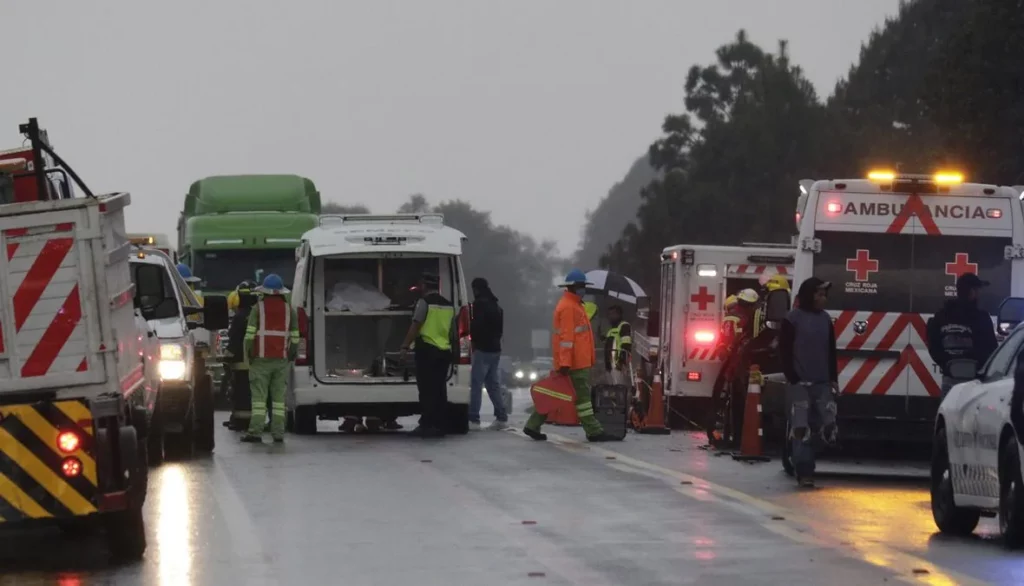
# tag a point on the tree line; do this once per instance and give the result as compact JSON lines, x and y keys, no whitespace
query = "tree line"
{"x":937,"y":86}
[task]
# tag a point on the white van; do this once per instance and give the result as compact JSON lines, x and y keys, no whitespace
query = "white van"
{"x":355,"y":288}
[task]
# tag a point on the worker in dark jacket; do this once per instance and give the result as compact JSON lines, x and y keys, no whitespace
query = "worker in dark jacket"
{"x":485,"y":330}
{"x":807,"y":347}
{"x":961,"y":330}
{"x":237,"y":361}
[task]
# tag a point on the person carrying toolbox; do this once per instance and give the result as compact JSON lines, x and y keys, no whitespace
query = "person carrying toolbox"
{"x":572,"y":343}
{"x":271,"y":343}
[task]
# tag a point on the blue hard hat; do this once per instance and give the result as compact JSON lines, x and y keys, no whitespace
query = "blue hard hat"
{"x":575,"y":277}
{"x":273,"y":285}
{"x":184,"y":271}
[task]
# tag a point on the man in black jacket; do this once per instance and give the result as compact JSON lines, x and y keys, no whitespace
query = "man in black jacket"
{"x":807,"y":345}
{"x":237,"y":361}
{"x":961,"y":330}
{"x":485,"y":331}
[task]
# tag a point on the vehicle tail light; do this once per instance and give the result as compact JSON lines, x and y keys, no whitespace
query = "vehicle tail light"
{"x":465,"y":340}
{"x":302,"y":358}
{"x":68,"y":442}
{"x":693,"y":376}
{"x":704,"y":337}
{"x":71,"y":467}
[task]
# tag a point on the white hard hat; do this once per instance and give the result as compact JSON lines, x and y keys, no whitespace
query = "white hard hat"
{"x":747,"y":296}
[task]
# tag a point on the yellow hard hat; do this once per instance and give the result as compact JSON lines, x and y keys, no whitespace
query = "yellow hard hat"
{"x":730,"y":301}
{"x":233,"y":300}
{"x":747,"y":296}
{"x":777,"y":283}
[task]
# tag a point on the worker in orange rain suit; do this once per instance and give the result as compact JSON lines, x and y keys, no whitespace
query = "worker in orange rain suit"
{"x":736,"y":330}
{"x":572,"y":343}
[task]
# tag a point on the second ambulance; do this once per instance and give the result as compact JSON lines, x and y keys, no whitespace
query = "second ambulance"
{"x":893,"y":245}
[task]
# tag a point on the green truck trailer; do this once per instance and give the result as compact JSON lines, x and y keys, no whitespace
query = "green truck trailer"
{"x":238,"y":227}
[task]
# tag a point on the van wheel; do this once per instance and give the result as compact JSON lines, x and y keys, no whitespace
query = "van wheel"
{"x":458,"y":419}
{"x":205,"y":440}
{"x":304,"y":420}
{"x":1011,"y":494}
{"x":787,"y":453}
{"x":126,"y":534}
{"x":948,"y":517}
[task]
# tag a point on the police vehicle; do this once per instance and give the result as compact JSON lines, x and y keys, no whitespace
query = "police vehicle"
{"x":893,"y":245}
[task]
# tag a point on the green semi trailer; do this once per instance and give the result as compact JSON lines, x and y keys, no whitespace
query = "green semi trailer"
{"x":238,"y":227}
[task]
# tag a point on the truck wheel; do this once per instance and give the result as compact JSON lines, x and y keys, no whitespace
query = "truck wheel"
{"x":458,"y":419}
{"x":205,"y":440}
{"x":1011,"y":494}
{"x":304,"y":420}
{"x":948,"y":517}
{"x":787,"y":453}
{"x":126,"y":534}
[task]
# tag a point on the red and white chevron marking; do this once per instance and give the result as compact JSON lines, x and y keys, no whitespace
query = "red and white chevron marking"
{"x":905,"y":333}
{"x":706,"y":353}
{"x":758,"y":270}
{"x":50,"y":334}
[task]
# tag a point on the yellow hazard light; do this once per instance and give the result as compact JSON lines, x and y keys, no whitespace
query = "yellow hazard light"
{"x":882,"y":175}
{"x":948,"y":178}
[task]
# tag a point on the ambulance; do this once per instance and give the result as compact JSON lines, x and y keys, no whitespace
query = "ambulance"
{"x":695,"y":281}
{"x":893,"y":245}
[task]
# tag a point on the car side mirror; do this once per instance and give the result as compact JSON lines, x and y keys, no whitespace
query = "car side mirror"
{"x":215,"y":312}
{"x":1010,"y":315}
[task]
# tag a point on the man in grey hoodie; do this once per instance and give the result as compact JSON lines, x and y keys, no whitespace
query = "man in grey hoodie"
{"x":807,"y":345}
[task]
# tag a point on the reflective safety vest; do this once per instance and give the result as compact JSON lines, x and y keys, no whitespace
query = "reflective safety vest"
{"x":437,"y":327}
{"x":274,"y":329}
{"x":620,"y":336}
{"x":591,"y":308}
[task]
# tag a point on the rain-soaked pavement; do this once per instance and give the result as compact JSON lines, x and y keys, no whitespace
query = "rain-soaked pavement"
{"x":498,"y":508}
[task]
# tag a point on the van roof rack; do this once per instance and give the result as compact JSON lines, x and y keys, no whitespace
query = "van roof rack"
{"x":427,"y":218}
{"x":769,"y":244}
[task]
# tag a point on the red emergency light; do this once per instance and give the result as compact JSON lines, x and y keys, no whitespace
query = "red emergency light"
{"x":704,"y":336}
{"x":833,"y":207}
{"x":693,"y":376}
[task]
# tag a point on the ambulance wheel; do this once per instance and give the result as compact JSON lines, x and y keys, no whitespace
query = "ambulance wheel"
{"x":1011,"y":494}
{"x":304,"y":420}
{"x":126,"y":534}
{"x":787,"y":453}
{"x":948,"y":517}
{"x":205,"y":440}
{"x":458,"y":419}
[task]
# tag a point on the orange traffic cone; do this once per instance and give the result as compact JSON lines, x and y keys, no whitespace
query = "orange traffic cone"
{"x":750,"y":444}
{"x":654,"y":420}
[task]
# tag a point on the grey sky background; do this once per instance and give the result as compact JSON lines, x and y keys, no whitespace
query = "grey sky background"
{"x":529,"y":109}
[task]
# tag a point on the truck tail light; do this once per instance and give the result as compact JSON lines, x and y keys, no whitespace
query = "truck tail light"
{"x":71,"y":467}
{"x":302,"y":359}
{"x":465,"y":340}
{"x":68,"y":442}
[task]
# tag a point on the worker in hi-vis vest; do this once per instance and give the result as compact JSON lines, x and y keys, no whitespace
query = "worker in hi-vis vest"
{"x":618,"y":342}
{"x":572,"y":343}
{"x":431,"y":331}
{"x":271,"y":343}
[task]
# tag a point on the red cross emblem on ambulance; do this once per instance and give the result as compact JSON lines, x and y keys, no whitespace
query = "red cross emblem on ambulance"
{"x":961,"y":264}
{"x":862,"y":265}
{"x":702,"y":298}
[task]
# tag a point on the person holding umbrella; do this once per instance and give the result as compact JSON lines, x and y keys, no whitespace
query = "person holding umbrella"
{"x":572,"y":343}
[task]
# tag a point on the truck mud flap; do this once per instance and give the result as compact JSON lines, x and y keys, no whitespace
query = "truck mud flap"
{"x":33,"y":484}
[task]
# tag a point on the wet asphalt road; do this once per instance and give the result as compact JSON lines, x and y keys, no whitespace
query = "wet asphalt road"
{"x":495,"y":507}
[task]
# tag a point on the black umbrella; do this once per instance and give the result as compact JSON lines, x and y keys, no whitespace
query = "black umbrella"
{"x":614,"y":285}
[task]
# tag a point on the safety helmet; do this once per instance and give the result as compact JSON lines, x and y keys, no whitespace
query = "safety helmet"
{"x":186,"y":273}
{"x":777,"y":283}
{"x":272,"y":285}
{"x":730,"y":301}
{"x":575,"y":277}
{"x":747,"y":296}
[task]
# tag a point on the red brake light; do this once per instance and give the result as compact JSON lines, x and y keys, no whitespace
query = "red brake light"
{"x":704,"y":337}
{"x":71,"y":467}
{"x":465,"y":344}
{"x":994,"y":213}
{"x":693,"y":376}
{"x":833,"y":207}
{"x":68,"y":442}
{"x":303,"y":359}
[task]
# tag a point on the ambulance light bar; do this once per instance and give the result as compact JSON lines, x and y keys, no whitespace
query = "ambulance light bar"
{"x":939,"y":178}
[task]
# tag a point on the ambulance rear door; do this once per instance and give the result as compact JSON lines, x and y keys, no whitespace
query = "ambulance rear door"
{"x":703,"y":284}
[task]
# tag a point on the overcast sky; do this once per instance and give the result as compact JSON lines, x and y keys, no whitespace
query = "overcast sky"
{"x":531,"y":109}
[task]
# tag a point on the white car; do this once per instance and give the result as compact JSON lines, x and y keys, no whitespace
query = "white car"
{"x":976,"y":457}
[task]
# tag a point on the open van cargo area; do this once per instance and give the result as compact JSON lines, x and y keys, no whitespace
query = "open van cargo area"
{"x":361,"y":346}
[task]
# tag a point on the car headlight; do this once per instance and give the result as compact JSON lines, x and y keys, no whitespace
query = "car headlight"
{"x":519,"y":374}
{"x":172,"y":352}
{"x":172,"y":369}
{"x":533,"y":376}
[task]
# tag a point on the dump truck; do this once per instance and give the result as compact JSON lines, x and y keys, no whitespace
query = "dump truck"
{"x":74,"y":379}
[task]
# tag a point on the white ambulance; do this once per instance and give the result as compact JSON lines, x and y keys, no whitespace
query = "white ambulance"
{"x":893,"y":246}
{"x":695,"y":281}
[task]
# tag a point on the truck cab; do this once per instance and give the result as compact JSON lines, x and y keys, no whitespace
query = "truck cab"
{"x":355,"y":292}
{"x":182,"y":420}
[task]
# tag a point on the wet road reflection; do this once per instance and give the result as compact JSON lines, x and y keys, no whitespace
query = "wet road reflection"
{"x":173,"y":515}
